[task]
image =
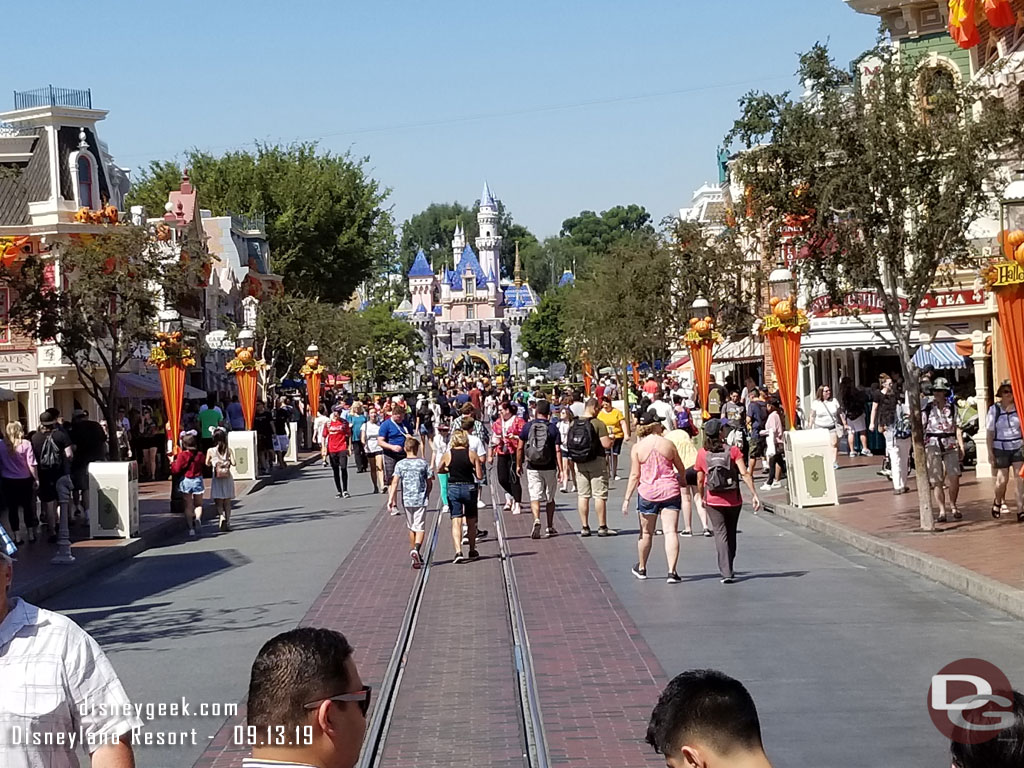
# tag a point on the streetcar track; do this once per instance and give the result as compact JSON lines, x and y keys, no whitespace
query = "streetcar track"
{"x":379,"y":726}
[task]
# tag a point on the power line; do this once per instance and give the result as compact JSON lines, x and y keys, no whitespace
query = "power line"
{"x":438,"y":122}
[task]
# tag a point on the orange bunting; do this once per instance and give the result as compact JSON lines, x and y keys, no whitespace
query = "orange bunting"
{"x":962,"y":26}
{"x":1011,"y":325}
{"x":785,"y":349}
{"x":700,"y":354}
{"x":246,"y":381}
{"x":1000,"y":13}
{"x":313,"y":391}
{"x":172,"y":382}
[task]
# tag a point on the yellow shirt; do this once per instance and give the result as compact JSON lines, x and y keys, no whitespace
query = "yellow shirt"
{"x":681,"y":439}
{"x":613,"y":420}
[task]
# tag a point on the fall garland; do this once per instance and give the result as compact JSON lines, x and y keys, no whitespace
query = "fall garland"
{"x":785,"y":317}
{"x":171,"y":352}
{"x":702,"y":329}
{"x":245,"y":360}
{"x":312,"y":366}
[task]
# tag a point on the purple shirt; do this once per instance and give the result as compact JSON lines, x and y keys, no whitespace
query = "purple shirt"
{"x":15,"y":466}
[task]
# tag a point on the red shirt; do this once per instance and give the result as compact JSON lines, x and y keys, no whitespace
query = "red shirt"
{"x":599,"y":392}
{"x":651,"y":386}
{"x":191,"y":463}
{"x":474,"y":397}
{"x":508,"y":437}
{"x":728,"y":498}
{"x":337,"y":434}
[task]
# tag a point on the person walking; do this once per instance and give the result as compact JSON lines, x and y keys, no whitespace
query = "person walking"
{"x":19,"y":478}
{"x":391,"y":439}
{"x":944,"y":449}
{"x":826,"y":414}
{"x":1006,"y":447}
{"x":356,"y":418}
{"x":682,"y":439}
{"x":412,"y":478}
{"x":773,"y":438}
{"x":565,"y":419}
{"x":657,"y":474}
{"x":189,"y":464}
{"x":282,"y":440}
{"x":540,"y":445}
{"x":618,"y":428}
{"x":319,"y":423}
{"x":438,"y":449}
{"x":587,"y":443}
{"x":53,"y":451}
{"x":720,"y":468}
{"x":891,"y":416}
{"x":263,"y":425}
{"x":505,"y":447}
{"x":335,"y":440}
{"x":854,"y":403}
{"x":371,"y":447}
{"x":220,"y":459}
{"x":464,"y":470}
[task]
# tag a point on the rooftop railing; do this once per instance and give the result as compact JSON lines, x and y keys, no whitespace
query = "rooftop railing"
{"x":53,"y":97}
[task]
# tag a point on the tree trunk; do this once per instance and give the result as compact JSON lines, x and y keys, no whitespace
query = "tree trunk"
{"x":109,"y":409}
{"x":912,"y":385}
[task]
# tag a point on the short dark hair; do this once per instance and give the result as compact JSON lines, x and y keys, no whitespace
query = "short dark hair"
{"x":543,"y":408}
{"x":293,"y":669}
{"x":1006,"y":749}
{"x":706,"y":706}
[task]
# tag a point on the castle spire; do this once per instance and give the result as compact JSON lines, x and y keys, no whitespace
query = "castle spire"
{"x":518,"y":273}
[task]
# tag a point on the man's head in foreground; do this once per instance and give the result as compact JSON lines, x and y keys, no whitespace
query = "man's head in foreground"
{"x":305,"y":686}
{"x":705,"y":719}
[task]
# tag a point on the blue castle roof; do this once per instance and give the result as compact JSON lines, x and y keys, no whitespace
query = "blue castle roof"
{"x":421,"y":267}
{"x":520,"y":298}
{"x":486,"y":198}
{"x":469,"y":261}
{"x":567,"y":278}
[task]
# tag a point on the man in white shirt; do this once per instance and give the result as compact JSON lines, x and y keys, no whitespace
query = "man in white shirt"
{"x":58,"y":691}
{"x":665,"y":411}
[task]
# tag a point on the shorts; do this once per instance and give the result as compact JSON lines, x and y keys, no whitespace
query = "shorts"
{"x":462,"y":498}
{"x":80,"y":477}
{"x":592,"y":479}
{"x":54,"y":487}
{"x":281,"y":443}
{"x":616,"y":446}
{"x":1005,"y":459}
{"x":416,"y":518}
{"x":857,"y":425}
{"x":942,"y":465}
{"x":541,"y":484}
{"x":759,"y":447}
{"x":645,"y":507}
{"x":691,"y":477}
{"x":191,"y":485}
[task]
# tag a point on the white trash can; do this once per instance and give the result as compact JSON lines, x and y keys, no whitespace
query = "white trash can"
{"x":292,"y":456}
{"x":810,"y":464}
{"x":243,"y":447}
{"x":113,"y":499}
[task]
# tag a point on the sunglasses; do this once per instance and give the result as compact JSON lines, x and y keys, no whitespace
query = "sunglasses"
{"x":361,"y":697}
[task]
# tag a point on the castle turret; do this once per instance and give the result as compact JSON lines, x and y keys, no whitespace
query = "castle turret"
{"x":488,"y":244}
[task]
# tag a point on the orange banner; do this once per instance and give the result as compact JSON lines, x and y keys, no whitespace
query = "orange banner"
{"x":172,"y":382}
{"x":313,"y":391}
{"x":1011,"y":326}
{"x":700,"y":354}
{"x":588,"y":377}
{"x":247,"y":381}
{"x":785,"y":348}
{"x":636,"y":374}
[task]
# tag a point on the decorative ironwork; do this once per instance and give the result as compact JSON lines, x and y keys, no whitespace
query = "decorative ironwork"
{"x":53,"y":97}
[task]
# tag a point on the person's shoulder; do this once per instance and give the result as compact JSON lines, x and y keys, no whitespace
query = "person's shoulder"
{"x":735,"y":452}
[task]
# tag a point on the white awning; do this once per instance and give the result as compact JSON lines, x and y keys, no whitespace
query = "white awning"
{"x":746,"y":350}
{"x":148,"y":387}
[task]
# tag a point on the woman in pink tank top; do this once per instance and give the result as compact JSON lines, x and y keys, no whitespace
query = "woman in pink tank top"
{"x":657,"y":472}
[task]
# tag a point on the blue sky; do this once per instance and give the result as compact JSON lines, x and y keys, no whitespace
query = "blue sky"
{"x":562,"y":106}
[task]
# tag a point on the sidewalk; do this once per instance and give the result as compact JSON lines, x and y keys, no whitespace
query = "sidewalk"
{"x":978,"y":556}
{"x":36,"y":578}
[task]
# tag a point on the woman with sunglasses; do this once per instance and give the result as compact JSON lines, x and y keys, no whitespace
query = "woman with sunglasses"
{"x":826,"y":414}
{"x":1006,"y":447}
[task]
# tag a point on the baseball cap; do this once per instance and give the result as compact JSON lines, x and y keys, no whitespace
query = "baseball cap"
{"x":649,"y":417}
{"x":712,"y":427}
{"x":941,"y":384}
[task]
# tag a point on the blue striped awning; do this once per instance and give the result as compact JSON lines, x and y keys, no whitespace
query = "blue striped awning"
{"x":940,"y":355}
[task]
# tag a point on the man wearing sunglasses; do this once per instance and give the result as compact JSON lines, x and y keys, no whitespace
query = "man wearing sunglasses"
{"x":307,"y":705}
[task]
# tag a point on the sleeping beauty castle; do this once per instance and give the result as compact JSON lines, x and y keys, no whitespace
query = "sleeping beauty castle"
{"x":470,"y":318}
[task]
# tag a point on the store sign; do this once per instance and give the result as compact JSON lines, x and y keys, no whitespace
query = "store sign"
{"x":1009,"y":273}
{"x":870,"y":303}
{"x":22,"y":364}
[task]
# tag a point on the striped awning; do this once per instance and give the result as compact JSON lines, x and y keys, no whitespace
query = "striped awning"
{"x":940,"y":355}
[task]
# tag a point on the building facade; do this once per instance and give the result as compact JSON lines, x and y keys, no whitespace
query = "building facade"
{"x":469,"y":318}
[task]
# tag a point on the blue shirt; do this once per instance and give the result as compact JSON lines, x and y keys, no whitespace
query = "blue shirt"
{"x":356,"y":422}
{"x":394,"y":434}
{"x":412,"y":476}
{"x":554,"y":440}
{"x":236,"y":416}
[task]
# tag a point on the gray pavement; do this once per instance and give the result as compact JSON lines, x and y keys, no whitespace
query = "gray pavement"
{"x":185,"y":620}
{"x":836,"y":647}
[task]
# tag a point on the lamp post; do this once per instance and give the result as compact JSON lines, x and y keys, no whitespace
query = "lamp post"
{"x":781,"y":283}
{"x":700,"y":339}
{"x":783,"y":327}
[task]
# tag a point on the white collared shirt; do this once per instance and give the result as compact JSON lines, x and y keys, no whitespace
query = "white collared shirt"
{"x":57,"y":691}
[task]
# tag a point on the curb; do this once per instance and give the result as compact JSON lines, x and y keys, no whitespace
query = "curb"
{"x":63,"y":576}
{"x":963,"y":580}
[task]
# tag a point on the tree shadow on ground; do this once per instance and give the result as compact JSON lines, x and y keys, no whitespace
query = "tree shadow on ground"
{"x":750,"y":576}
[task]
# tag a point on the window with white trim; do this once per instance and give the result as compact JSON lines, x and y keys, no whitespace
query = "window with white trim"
{"x":86,"y":193}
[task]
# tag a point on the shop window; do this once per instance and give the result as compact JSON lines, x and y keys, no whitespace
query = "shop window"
{"x":86,"y":197}
{"x":937,"y":88}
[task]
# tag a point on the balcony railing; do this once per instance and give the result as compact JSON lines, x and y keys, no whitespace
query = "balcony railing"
{"x":53,"y":97}
{"x":243,"y":223}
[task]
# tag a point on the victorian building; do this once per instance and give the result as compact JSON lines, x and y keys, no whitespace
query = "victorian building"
{"x":469,"y":318}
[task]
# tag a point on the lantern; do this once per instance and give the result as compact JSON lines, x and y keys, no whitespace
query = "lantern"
{"x":781,"y":283}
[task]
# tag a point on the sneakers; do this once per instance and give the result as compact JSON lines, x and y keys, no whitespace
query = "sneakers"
{"x":482,"y":534}
{"x":708,"y":533}
{"x":474,"y":555}
{"x":536,"y":530}
{"x":604,"y":530}
{"x":686,"y":534}
{"x":854,"y":454}
{"x":618,"y":479}
{"x":517,"y":508}
{"x":459,"y":558}
{"x":865,"y":452}
{"x":673,"y":578}
{"x":728,"y":580}
{"x":550,"y":532}
{"x":767,"y":486}
{"x":417,"y":560}
{"x":584,"y":532}
{"x":640,"y":573}
{"x":394,"y":510}
{"x":191,"y":533}
{"x":658,"y":532}
{"x":346,"y":495}
{"x":337,"y":495}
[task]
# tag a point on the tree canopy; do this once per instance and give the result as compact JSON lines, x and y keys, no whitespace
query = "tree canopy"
{"x":543,"y":335}
{"x":881,"y":178}
{"x":327,"y":219}
{"x":599,"y":232}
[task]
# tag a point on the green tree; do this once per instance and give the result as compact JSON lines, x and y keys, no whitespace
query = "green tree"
{"x":598,"y":232}
{"x":327,"y":219}
{"x":885,"y":177}
{"x":545,"y":262}
{"x":106,"y":309}
{"x":543,"y":335}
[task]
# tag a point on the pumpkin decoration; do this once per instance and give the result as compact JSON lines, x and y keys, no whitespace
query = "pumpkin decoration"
{"x":773,"y":301}
{"x":163,"y":232}
{"x":693,"y":321}
{"x":244,"y":360}
{"x":245,"y":355}
{"x":708,"y":320}
{"x":784,"y":309}
{"x":1015,"y":238}
{"x":702,"y":326}
{"x":110,"y":213}
{"x":82,"y":215}
{"x":1018,"y":254}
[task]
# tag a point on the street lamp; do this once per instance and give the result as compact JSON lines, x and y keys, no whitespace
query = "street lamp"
{"x":169,"y":320}
{"x":1011,"y":212}
{"x":700,"y":308}
{"x":312,"y":350}
{"x":781,"y":283}
{"x":246,"y":338}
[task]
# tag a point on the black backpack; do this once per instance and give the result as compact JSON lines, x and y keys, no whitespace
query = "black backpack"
{"x":582,"y":442}
{"x":538,"y":448}
{"x":722,"y":474}
{"x":51,"y":457}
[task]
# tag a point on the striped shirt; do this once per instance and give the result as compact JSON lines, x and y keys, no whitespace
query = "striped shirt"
{"x":58,"y":691}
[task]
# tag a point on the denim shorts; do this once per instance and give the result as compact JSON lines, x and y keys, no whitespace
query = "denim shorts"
{"x":645,"y":507}
{"x":192,"y":485}
{"x":462,"y":499}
